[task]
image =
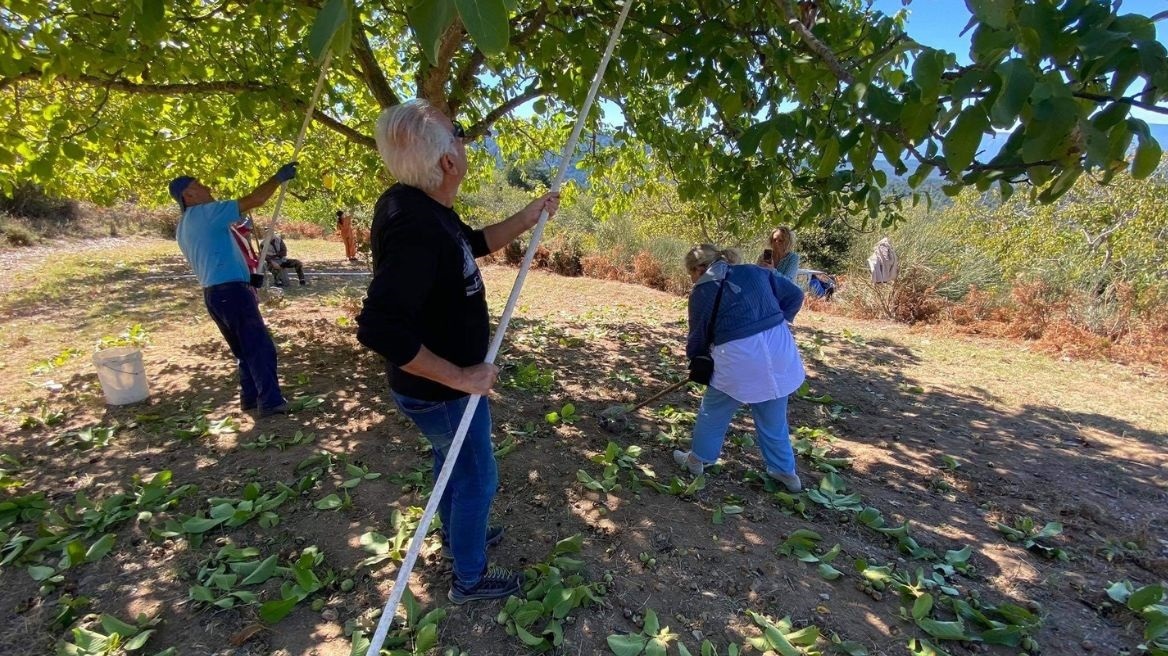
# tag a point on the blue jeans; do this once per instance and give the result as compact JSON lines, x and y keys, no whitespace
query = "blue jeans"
{"x":236,"y":311}
{"x":466,"y":502}
{"x":770,"y":421}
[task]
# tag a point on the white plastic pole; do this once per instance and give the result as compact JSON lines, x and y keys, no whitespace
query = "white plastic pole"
{"x":324,"y":66}
{"x":403,"y":574}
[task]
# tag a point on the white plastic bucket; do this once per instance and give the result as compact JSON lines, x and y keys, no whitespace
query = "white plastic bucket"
{"x":122,"y":375}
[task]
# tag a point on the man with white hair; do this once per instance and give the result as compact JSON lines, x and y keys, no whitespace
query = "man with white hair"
{"x":426,"y":313}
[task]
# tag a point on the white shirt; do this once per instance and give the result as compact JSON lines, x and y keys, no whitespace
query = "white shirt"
{"x":759,"y":368}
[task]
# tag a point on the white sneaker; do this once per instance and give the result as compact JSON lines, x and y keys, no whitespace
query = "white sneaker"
{"x":688,"y":461}
{"x":791,"y":481}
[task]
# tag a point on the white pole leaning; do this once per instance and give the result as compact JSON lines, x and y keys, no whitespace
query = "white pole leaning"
{"x":267,"y":243}
{"x":403,"y":575}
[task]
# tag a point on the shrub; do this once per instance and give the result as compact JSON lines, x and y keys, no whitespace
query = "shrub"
{"x":166,"y":224}
{"x":17,"y":234}
{"x":602,"y":267}
{"x":1033,"y":304}
{"x":31,"y":202}
{"x":542,"y":259}
{"x":647,"y":271}
{"x":566,"y":261}
{"x":513,"y":253}
{"x":301,"y":230}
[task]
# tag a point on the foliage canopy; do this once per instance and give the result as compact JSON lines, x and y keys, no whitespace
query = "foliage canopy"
{"x":759,"y":105}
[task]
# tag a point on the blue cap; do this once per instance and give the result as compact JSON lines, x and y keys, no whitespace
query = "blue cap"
{"x":177,"y":187}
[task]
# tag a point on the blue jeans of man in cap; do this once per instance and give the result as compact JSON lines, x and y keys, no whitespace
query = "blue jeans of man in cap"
{"x":235,"y":309}
{"x":466,"y":502}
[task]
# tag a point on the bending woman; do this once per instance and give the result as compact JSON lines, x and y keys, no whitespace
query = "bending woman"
{"x":756,"y":362}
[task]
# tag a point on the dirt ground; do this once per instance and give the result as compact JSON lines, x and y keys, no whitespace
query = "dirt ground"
{"x":949,"y":434}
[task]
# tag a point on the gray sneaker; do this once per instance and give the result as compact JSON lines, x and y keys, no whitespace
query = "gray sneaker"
{"x":496,"y":583}
{"x":791,"y":481}
{"x":688,"y":461}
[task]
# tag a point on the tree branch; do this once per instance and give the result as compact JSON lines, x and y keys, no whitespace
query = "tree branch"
{"x":166,"y":89}
{"x":814,"y":44}
{"x":432,"y":79}
{"x":1124,"y":100}
{"x":495,"y":114}
{"x":464,"y":80}
{"x":346,"y":131}
{"x":210,"y":86}
{"x":370,"y":70}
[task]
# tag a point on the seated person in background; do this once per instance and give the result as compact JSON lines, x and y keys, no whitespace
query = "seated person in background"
{"x":822,"y":285}
{"x":278,"y":261}
{"x":781,"y":256}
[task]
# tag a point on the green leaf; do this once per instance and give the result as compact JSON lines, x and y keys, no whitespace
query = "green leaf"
{"x":922,"y":606}
{"x":752,"y":137}
{"x":261,"y":573}
{"x":331,"y":502}
{"x":828,"y":572}
{"x":73,"y":150}
{"x":138,"y":641}
{"x":201,"y":593}
{"x":926,"y":71}
{"x":100,"y":548}
{"x":995,"y":13}
{"x":1147,"y":158}
{"x":627,"y":645}
{"x":527,"y":638}
{"x":829,"y":158}
{"x":274,"y":611}
{"x":925,"y":648}
{"x":429,"y":20}
{"x":486,"y":22}
{"x":74,"y":554}
{"x":427,"y":638}
{"x":569,"y":545}
{"x":1017,"y":83}
{"x":333,"y":15}
{"x":112,"y":624}
{"x":1145,"y":596}
{"x":943,"y":630}
{"x":963,"y":139}
{"x":652,"y":624}
{"x":152,"y":19}
{"x":201,"y":524}
{"x":40,"y":572}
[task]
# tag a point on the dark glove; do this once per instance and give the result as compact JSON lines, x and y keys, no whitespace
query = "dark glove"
{"x":286,"y":172}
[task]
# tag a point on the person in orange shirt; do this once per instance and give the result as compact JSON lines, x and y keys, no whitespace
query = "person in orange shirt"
{"x":345,"y":227}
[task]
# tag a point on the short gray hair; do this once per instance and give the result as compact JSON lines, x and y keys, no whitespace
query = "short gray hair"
{"x":703,"y":255}
{"x":411,"y":140}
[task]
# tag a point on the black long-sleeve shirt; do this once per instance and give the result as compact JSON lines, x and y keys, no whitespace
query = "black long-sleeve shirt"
{"x":426,"y":290}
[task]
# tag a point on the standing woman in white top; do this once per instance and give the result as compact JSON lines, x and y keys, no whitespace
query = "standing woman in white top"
{"x":756,"y":362}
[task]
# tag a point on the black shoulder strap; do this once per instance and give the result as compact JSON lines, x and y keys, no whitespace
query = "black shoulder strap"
{"x":717,"y":302}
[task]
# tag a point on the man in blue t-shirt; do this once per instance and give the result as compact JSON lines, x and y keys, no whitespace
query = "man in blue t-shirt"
{"x":205,"y":238}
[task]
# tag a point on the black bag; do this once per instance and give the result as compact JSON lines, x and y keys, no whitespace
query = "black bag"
{"x":701,"y":367}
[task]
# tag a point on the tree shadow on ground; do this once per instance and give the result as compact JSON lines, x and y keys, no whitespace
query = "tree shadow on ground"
{"x":595,"y":356}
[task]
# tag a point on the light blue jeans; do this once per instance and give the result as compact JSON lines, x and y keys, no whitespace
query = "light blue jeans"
{"x":770,"y":422}
{"x":466,"y":502}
